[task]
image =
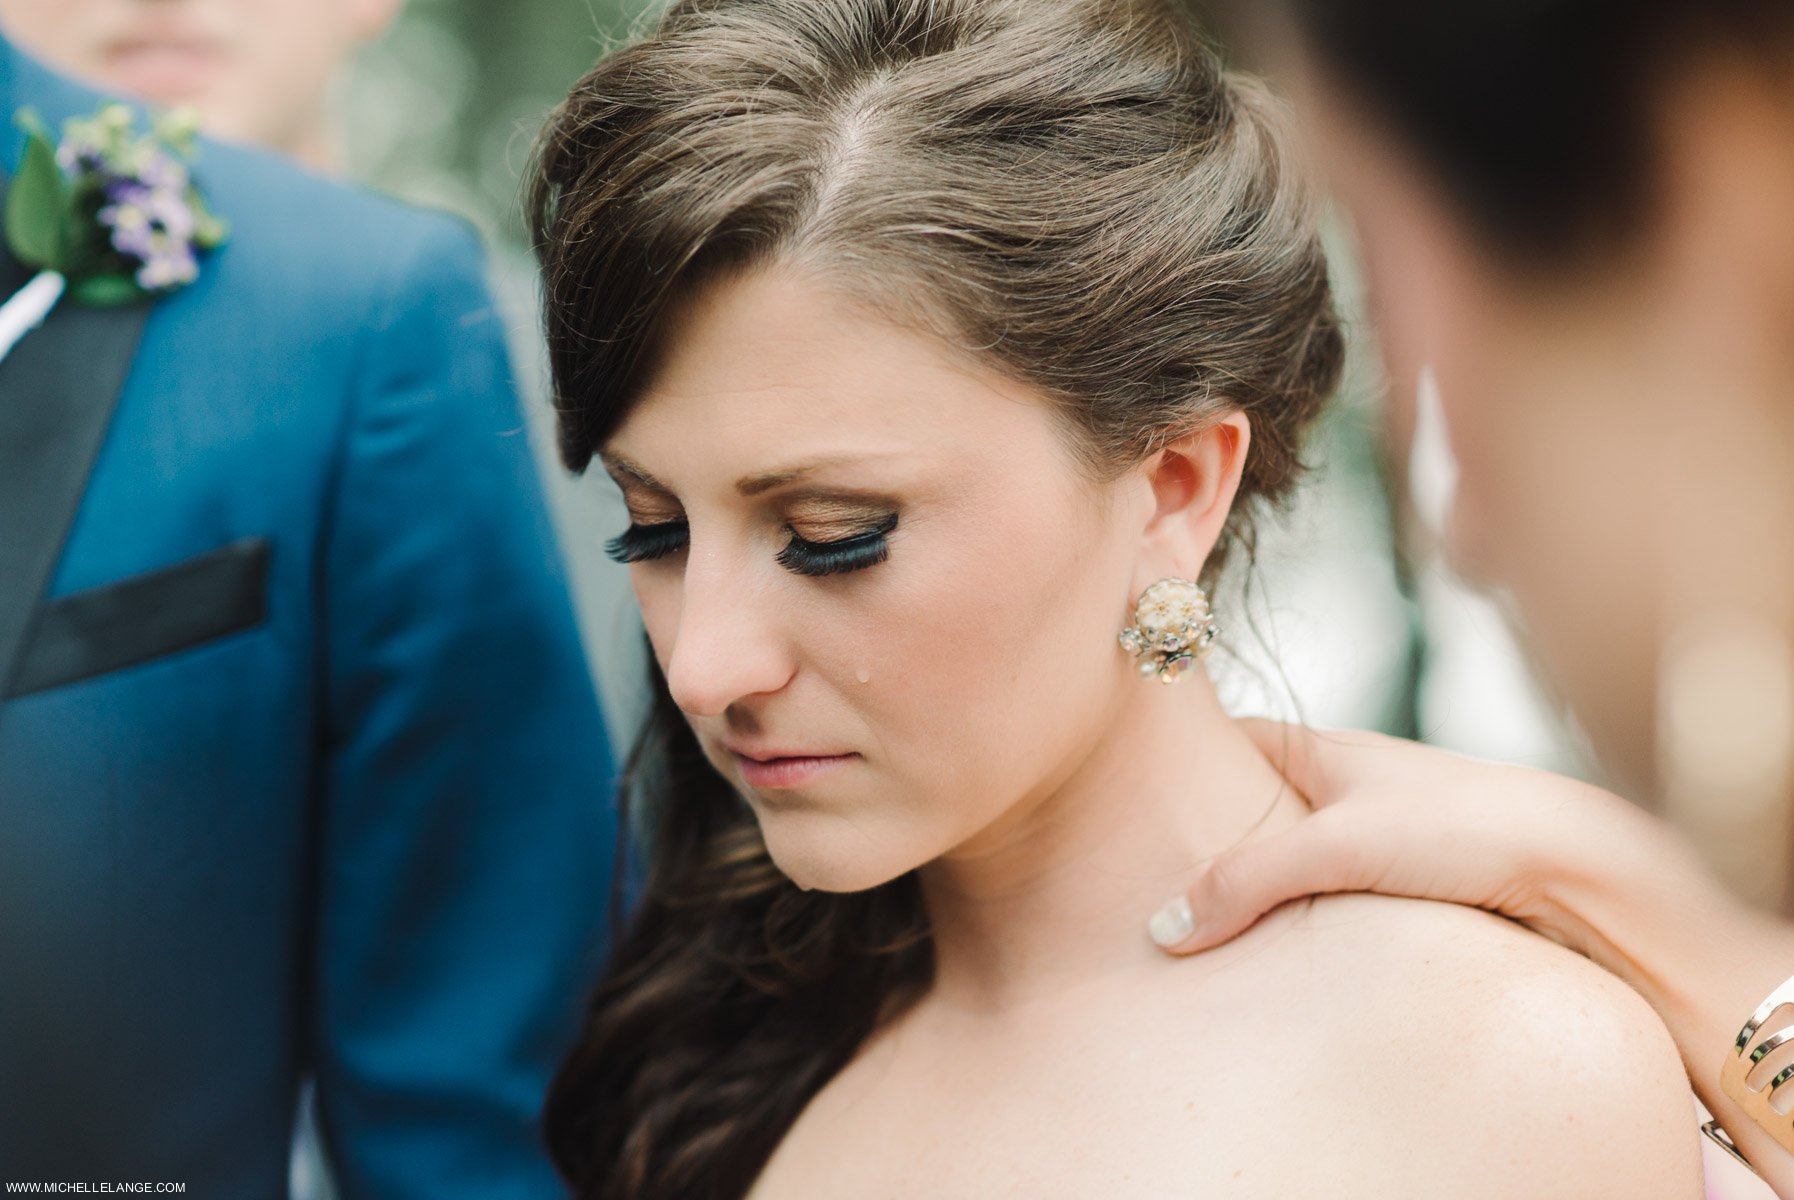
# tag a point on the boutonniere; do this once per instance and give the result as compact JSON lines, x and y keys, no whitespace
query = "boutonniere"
{"x":106,"y":216}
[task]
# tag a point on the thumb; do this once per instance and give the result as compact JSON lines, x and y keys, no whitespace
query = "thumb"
{"x":1249,"y":881}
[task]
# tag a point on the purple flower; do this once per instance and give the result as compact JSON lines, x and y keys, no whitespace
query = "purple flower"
{"x":164,"y":173}
{"x":154,"y":224}
{"x":132,"y":234}
{"x":136,"y":194}
{"x":125,"y":191}
{"x":171,"y":264}
{"x":169,"y":211}
{"x":81,"y":154}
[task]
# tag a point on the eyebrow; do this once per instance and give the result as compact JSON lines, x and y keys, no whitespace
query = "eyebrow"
{"x":757,"y":484}
{"x":766,"y":481}
{"x":616,"y":464}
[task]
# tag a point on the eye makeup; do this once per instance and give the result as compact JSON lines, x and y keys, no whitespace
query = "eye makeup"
{"x":833,"y":531}
{"x":646,"y":542}
{"x":839,"y":557}
{"x":801,"y":555}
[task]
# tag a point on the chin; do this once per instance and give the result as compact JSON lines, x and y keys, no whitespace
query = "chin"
{"x":829,"y":854}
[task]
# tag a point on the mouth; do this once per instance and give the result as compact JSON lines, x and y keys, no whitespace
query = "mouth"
{"x":781,"y":772}
{"x":170,"y":67}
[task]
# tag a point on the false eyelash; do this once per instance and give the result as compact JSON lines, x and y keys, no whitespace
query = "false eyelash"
{"x":643,"y":543}
{"x":839,"y":557}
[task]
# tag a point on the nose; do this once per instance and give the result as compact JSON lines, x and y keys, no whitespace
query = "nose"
{"x":729,"y":644}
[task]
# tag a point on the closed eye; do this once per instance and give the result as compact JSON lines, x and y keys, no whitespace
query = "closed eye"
{"x":839,"y":557}
{"x":644,"y":543}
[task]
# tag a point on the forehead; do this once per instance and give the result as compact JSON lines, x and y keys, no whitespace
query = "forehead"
{"x":775,"y":366}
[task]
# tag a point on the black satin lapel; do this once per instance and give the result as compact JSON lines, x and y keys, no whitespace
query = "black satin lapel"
{"x":145,"y":617}
{"x":13,"y":274}
{"x":58,"y":389}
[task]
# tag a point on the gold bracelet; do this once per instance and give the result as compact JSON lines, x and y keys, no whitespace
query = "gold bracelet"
{"x":1734,"y":1075}
{"x":1719,"y":1137}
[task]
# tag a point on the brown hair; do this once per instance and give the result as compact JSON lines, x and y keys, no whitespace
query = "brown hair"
{"x":1076,"y":191}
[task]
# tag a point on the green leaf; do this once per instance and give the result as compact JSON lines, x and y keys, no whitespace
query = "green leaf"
{"x":178,"y":129}
{"x":30,"y":121}
{"x":37,"y":204}
{"x":210,"y":231}
{"x":106,"y":291}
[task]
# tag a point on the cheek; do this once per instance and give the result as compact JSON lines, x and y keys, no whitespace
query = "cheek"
{"x":657,"y":596}
{"x":1498,"y":470}
{"x":286,"y":54}
{"x":995,"y":643}
{"x":1562,"y":496}
{"x":70,"y":34}
{"x":1517,"y":444}
{"x":1558,"y":498}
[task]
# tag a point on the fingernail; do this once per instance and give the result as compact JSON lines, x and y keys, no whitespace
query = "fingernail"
{"x":1173,"y":923}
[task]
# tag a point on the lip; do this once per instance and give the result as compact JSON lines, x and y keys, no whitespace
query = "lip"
{"x":780,"y":771}
{"x":164,"y":66}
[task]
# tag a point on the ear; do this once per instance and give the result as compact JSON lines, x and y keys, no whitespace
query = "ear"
{"x":371,"y":18}
{"x":1193,"y":481}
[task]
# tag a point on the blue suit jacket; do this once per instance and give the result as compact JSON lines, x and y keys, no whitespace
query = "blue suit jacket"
{"x":301,"y":771}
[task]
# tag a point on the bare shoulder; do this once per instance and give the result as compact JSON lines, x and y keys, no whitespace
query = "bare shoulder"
{"x":1491,"y":1061}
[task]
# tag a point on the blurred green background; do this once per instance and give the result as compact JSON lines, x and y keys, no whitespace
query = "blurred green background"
{"x":443,"y":109}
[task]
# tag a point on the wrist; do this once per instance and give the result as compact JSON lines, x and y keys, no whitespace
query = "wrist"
{"x":1703,"y":957}
{"x":1635,"y":897}
{"x":1716,"y":1018}
{"x":1627,"y":891}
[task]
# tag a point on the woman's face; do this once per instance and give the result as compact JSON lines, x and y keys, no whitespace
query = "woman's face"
{"x":1623,"y":433}
{"x":879,"y":588}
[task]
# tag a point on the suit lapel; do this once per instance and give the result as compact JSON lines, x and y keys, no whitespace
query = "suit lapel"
{"x":58,"y":389}
{"x":13,"y":274}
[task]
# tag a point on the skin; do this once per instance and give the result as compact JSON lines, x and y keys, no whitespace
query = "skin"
{"x":1626,"y":438}
{"x":998,"y":742}
{"x":258,"y":71}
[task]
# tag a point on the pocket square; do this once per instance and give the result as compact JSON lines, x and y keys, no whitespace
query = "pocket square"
{"x":147,"y":616}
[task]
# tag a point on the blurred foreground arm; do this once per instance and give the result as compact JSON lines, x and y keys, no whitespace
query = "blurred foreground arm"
{"x":1572,"y":862}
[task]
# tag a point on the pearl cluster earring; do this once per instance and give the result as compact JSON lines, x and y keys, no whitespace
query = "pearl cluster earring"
{"x":1172,"y":629}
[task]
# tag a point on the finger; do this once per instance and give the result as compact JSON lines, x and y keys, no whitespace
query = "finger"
{"x":1248,"y":881}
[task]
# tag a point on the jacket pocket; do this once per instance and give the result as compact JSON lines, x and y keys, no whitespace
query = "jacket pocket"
{"x":147,"y":616}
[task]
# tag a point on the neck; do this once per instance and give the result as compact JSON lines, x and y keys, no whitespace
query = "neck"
{"x":1057,"y":895}
{"x":317,"y":151}
{"x":312,"y":143}
{"x":311,"y":136}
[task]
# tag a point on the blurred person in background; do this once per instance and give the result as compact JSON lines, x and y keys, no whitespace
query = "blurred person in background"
{"x":278,"y":74}
{"x":301,"y":771}
{"x":261,"y":72}
{"x":1575,"y":217}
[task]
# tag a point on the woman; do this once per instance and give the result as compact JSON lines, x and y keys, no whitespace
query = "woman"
{"x":1577,"y":214}
{"x":932,"y":344}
